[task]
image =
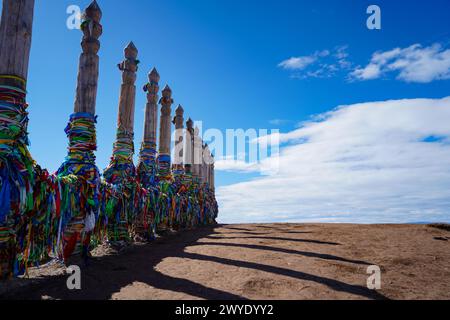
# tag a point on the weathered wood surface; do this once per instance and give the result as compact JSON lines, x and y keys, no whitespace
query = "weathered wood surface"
{"x":178,"y":121}
{"x":165,"y":121}
{"x":128,"y":89}
{"x":197,"y":154}
{"x":16,"y":29}
{"x":188,"y":146}
{"x":151,"y":108}
{"x":86,"y":93}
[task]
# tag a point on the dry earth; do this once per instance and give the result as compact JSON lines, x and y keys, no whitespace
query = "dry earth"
{"x":260,"y":261}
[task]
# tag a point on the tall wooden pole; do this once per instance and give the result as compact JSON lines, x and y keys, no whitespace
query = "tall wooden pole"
{"x":189,"y":147}
{"x":147,"y":155}
{"x":128,"y":90}
{"x":86,"y":94}
{"x":197,"y":155}
{"x":121,"y":170}
{"x":165,"y":135}
{"x":121,"y":167}
{"x":207,"y":165}
{"x":178,"y":121}
{"x":81,"y":132}
{"x":82,"y":151}
{"x":213,"y":185}
{"x":81,"y":128}
{"x":15,"y":42}
{"x":203,"y":165}
{"x":17,"y":171}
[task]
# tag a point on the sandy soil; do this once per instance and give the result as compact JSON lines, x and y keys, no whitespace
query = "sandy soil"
{"x":260,"y":261}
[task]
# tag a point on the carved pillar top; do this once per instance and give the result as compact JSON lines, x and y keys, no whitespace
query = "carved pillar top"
{"x":166,"y":100}
{"x":190,"y":125}
{"x":178,"y":119}
{"x":92,"y":29}
{"x":152,"y":87}
{"x":129,"y":66}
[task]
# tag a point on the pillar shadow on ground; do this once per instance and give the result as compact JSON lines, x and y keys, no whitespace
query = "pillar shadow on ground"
{"x":107,"y":275}
{"x":331,"y":283}
{"x":277,"y":239}
{"x":283,"y":250}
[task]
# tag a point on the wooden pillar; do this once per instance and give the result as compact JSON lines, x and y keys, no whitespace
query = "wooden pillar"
{"x":15,"y":42}
{"x":208,"y":166}
{"x":213,"y":183}
{"x":81,"y":127}
{"x":81,"y":132}
{"x":86,"y":94}
{"x":197,"y":155}
{"x":203,"y":164}
{"x":165,"y":134}
{"x":147,"y":155}
{"x":178,"y":121}
{"x":121,"y":167}
{"x":16,"y":27}
{"x":189,"y":147}
{"x":128,"y":90}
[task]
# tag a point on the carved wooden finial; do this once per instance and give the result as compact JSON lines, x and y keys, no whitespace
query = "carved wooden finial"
{"x":153,"y":76}
{"x":179,"y":111}
{"x":189,"y":123}
{"x":167,"y":92}
{"x":94,"y":12}
{"x":131,"y":51}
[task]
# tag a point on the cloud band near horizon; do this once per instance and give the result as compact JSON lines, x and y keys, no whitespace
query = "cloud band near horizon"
{"x":374,"y":162}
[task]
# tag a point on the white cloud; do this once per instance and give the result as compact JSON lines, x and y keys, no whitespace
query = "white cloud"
{"x":371,"y":71}
{"x":297,"y":63}
{"x":366,"y":162}
{"x":320,"y":64}
{"x":412,"y":64}
{"x":236,"y":166}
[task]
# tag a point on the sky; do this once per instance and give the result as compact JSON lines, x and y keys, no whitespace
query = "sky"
{"x":362,"y":114}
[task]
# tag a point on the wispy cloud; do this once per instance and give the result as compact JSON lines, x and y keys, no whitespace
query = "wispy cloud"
{"x":320,"y":64}
{"x":297,"y":63}
{"x":233,"y":165}
{"x":412,"y":64}
{"x":415,"y":63}
{"x":383,"y":161}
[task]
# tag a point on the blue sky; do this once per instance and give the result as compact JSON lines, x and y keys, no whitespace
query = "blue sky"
{"x":224,"y":63}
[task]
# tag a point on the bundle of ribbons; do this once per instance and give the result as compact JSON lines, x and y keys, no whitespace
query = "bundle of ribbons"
{"x":123,"y":199}
{"x":146,"y":170}
{"x":46,"y":216}
{"x":16,"y":174}
{"x":164,"y":172}
{"x":79,"y":181}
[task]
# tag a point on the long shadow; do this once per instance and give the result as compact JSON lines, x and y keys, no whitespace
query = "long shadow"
{"x":283,"y":250}
{"x":236,"y":228}
{"x":252,"y":231}
{"x":278,"y":239}
{"x":331,"y":283}
{"x":263,"y":233}
{"x":109,"y":274}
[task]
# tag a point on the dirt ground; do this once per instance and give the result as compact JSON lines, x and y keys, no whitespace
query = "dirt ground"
{"x":260,"y":261}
